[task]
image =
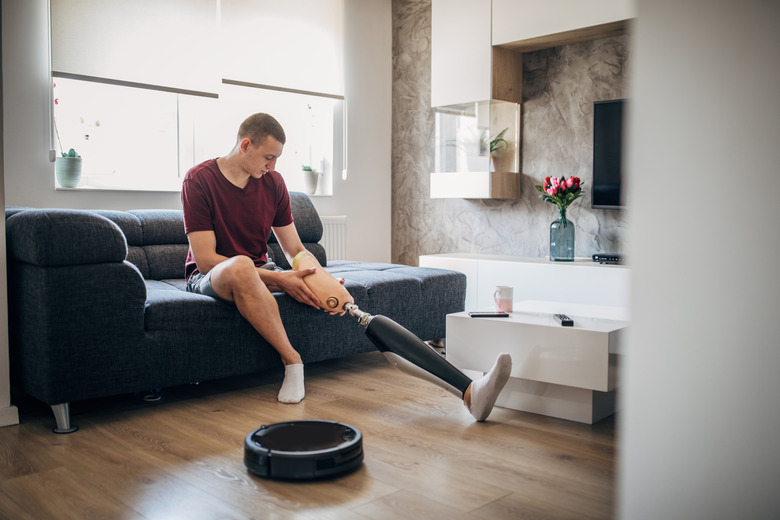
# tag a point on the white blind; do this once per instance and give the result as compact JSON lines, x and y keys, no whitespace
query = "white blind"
{"x":163,"y":43}
{"x":295,"y":44}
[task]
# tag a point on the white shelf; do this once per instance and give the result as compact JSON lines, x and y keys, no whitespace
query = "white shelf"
{"x":476,"y":185}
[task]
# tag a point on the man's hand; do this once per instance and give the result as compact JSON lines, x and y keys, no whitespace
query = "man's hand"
{"x":291,"y":282}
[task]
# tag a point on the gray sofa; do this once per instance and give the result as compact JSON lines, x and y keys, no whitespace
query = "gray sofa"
{"x":98,"y":307}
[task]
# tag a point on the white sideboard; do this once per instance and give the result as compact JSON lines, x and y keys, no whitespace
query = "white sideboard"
{"x":579,"y":282}
{"x":564,"y":372}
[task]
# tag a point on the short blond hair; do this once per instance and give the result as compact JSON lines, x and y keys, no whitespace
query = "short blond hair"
{"x":259,"y":126}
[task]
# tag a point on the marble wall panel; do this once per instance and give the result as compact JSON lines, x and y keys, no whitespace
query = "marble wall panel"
{"x":559,"y":87}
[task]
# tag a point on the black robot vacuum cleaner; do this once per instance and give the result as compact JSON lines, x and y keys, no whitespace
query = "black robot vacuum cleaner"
{"x":303,"y":450}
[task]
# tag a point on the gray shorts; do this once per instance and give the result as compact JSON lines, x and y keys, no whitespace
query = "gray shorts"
{"x":201,"y":283}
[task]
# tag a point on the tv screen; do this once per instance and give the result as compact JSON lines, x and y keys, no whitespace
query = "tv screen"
{"x":607,"y":154}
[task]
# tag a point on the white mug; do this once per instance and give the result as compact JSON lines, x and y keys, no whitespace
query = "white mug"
{"x":502,"y":296}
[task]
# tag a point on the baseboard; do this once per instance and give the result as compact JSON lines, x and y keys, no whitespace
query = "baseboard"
{"x":9,"y":416}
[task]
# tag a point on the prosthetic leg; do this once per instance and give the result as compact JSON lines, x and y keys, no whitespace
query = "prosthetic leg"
{"x":406,"y":351}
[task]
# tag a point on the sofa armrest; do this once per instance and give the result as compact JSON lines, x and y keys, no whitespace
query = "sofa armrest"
{"x":76,"y":307}
{"x":59,"y":237}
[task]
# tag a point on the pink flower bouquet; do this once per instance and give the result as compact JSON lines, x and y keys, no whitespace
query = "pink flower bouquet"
{"x":561,"y":192}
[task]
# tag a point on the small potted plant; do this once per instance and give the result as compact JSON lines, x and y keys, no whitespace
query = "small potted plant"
{"x":497,"y":147}
{"x":498,"y":142}
{"x":67,"y":167}
{"x":311,"y":178}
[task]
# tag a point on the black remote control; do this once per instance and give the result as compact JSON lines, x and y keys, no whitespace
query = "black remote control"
{"x":565,"y":320}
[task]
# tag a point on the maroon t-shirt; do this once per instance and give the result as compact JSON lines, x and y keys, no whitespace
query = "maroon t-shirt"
{"x":241,"y":218}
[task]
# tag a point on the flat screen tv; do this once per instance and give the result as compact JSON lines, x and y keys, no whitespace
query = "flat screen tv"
{"x":607,"y":154}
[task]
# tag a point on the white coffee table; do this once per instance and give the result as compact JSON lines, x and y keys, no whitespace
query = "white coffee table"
{"x":564,"y":372}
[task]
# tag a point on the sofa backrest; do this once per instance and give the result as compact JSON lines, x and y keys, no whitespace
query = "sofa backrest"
{"x":156,"y":242}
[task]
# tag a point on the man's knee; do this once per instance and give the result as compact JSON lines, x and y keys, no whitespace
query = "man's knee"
{"x":235,"y":273}
{"x":238,"y":266}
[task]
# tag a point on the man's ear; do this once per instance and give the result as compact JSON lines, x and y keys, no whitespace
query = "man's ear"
{"x":245,"y":144}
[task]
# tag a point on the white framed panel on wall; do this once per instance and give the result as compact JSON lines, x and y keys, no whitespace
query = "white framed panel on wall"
{"x":161,"y":43}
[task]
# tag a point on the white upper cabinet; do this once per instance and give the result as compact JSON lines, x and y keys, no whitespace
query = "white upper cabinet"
{"x":521,"y":20}
{"x":460,"y":51}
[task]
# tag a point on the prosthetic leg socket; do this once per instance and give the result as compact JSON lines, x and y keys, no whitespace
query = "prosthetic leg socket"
{"x":331,"y":293}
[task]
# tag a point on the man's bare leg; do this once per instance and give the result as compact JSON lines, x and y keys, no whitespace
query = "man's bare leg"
{"x":236,"y":279}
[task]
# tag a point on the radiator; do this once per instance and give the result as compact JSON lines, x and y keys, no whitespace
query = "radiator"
{"x":334,"y":237}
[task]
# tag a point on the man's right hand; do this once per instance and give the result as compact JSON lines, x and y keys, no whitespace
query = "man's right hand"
{"x":292,"y":283}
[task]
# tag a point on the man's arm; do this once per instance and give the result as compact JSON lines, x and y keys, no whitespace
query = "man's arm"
{"x":290,"y":282}
{"x":289,"y":240}
{"x":204,"y":249}
{"x":291,"y":245}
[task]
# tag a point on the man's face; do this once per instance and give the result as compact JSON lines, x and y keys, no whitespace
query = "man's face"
{"x":261,"y":158}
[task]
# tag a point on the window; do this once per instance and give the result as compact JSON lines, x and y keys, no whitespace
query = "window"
{"x":142,"y":104}
{"x":127,"y":137}
{"x":140,"y":139}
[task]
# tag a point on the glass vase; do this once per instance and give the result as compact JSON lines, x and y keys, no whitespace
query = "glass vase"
{"x":562,"y":239}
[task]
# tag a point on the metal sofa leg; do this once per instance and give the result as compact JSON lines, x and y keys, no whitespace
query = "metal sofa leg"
{"x":62,"y":416}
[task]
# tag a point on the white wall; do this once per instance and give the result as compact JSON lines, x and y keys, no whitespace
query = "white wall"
{"x":364,"y":197}
{"x":700,"y":435}
{"x":8,"y":413}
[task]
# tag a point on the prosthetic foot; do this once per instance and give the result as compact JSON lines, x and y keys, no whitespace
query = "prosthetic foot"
{"x":332,"y":294}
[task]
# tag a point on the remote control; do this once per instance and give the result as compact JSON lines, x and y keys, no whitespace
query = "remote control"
{"x":565,"y":320}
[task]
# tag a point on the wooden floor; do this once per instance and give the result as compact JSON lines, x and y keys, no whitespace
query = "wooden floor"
{"x":425,"y":457}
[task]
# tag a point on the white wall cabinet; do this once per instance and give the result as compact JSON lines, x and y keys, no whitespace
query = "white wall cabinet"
{"x":476,"y":55}
{"x":476,"y":44}
{"x":460,"y":51}
{"x":465,"y":68}
{"x":527,"y":25}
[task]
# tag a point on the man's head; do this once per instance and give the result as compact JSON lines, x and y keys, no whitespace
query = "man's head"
{"x":259,"y":144}
{"x":259,"y":126}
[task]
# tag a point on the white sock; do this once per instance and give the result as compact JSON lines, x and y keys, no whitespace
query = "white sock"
{"x":484,"y":391}
{"x":292,"y":390}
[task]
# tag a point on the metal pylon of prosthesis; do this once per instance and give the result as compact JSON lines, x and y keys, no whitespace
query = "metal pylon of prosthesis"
{"x":363,"y":317}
